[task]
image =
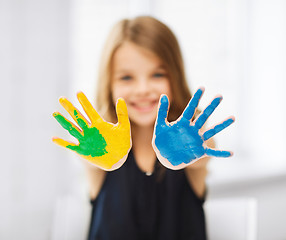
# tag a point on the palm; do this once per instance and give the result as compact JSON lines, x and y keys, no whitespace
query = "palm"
{"x":104,"y":144}
{"x":182,"y":142}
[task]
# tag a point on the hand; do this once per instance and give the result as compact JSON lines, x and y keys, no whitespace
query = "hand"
{"x":181,"y":143}
{"x":104,"y":144}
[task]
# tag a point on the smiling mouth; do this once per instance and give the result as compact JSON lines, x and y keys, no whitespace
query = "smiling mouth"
{"x":145,"y":106}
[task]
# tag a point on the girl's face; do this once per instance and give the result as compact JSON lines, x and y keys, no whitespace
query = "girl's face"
{"x":139,"y":77}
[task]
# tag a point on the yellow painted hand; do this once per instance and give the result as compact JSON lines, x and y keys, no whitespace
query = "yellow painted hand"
{"x":104,"y":144}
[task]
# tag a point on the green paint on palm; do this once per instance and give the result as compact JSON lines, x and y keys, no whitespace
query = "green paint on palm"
{"x":67,"y":125}
{"x":91,"y":143}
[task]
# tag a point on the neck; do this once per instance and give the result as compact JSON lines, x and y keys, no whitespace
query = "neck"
{"x":142,"y":147}
{"x":142,"y":136}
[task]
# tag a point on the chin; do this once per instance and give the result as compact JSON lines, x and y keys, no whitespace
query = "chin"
{"x":143,"y":122}
{"x":143,"y":119}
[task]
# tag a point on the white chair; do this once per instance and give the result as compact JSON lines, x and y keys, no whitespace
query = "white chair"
{"x":231,"y":218}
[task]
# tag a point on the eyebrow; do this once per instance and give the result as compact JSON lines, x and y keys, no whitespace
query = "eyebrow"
{"x":129,"y":71}
{"x":122,"y":71}
{"x":161,"y":67}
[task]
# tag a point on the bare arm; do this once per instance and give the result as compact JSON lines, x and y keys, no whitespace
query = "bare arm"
{"x":197,"y":173}
{"x":95,"y":177}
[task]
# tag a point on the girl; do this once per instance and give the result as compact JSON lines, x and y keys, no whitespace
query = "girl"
{"x":142,"y":199}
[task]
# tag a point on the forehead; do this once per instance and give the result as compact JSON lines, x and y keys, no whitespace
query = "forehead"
{"x":130,"y":55}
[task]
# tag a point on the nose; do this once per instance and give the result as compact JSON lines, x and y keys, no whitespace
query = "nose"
{"x":142,"y":87}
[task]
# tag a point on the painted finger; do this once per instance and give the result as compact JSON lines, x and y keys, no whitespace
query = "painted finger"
{"x":218,"y":153}
{"x":88,"y":108}
{"x":202,"y":118}
{"x":66,"y":124}
{"x":163,"y":110}
{"x":193,"y":104}
{"x":74,"y":112}
{"x":63,"y":143}
{"x":216,"y":129}
{"x":122,"y":113}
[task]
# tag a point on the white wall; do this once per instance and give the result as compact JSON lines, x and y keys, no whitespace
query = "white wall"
{"x":34,"y":62}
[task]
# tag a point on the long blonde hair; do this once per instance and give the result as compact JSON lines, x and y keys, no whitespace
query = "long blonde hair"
{"x":156,"y":37}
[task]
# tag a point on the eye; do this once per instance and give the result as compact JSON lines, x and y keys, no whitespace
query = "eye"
{"x":158,"y":75}
{"x":126,"y":77}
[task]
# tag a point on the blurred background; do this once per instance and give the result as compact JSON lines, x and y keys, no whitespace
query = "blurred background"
{"x":49,"y":49}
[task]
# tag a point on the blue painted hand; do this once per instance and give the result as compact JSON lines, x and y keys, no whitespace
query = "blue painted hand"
{"x":182,"y":142}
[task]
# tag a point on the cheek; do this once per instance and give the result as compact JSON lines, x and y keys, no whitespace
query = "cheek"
{"x":165,"y":87}
{"x":115,"y":94}
{"x":119,"y":91}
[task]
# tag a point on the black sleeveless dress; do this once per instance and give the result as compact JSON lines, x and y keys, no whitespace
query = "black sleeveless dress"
{"x":133,"y":205}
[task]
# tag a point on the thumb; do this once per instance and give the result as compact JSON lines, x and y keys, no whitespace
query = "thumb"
{"x":163,"y":110}
{"x":122,"y":113}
